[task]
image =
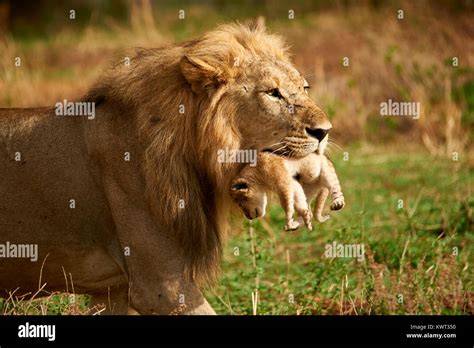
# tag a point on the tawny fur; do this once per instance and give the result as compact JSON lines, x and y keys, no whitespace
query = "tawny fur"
{"x":172,"y":108}
{"x":207,"y":125}
{"x":296,"y":181}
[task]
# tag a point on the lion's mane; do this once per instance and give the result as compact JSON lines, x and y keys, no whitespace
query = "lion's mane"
{"x":180,"y":162}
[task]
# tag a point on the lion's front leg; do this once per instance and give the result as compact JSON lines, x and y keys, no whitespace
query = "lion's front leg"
{"x":174,"y":296}
{"x":203,"y":309}
{"x":154,"y":262}
{"x":158,"y":283}
{"x":110,"y":301}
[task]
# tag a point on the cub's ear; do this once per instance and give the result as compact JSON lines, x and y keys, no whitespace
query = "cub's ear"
{"x":200,"y":75}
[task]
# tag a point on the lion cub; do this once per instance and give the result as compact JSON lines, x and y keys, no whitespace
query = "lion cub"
{"x":295,"y":180}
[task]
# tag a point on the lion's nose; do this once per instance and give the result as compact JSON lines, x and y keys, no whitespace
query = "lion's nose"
{"x":318,"y":133}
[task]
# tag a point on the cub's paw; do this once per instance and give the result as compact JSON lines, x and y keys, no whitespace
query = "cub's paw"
{"x":322,"y":218}
{"x":292,"y":225}
{"x":338,"y":204}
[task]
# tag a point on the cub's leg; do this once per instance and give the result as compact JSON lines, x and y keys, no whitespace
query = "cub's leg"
{"x":336,"y":194}
{"x":278,"y":176}
{"x":337,"y":201}
{"x":287,"y":201}
{"x":285,"y":190}
{"x":319,"y":206}
{"x":330,"y":180}
{"x":301,"y":204}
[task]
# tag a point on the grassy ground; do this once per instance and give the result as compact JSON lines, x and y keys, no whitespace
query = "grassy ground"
{"x":411,"y":264}
{"x":418,"y":259}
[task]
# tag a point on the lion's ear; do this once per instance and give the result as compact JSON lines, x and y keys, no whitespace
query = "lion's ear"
{"x":258,"y":24}
{"x":199,"y":74}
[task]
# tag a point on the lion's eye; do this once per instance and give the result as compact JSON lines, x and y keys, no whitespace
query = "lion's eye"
{"x":275,"y":92}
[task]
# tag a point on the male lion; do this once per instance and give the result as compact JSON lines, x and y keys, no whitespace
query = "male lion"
{"x":147,"y":232}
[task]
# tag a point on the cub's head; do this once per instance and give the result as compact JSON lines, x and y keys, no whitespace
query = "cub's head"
{"x":251,"y":83}
{"x":250,"y":198}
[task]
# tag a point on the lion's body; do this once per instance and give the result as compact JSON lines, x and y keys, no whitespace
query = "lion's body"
{"x":148,"y":230}
{"x":34,"y":208}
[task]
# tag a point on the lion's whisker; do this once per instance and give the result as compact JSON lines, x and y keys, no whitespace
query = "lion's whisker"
{"x":276,"y":144}
{"x":335,"y":145}
{"x":280,"y":148}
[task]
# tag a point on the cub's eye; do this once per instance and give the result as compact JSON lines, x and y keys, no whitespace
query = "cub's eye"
{"x":306,"y":89}
{"x":240,"y":186}
{"x":275,"y":92}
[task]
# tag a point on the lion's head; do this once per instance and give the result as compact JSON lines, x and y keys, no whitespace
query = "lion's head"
{"x":250,"y":71}
{"x":234,"y":88}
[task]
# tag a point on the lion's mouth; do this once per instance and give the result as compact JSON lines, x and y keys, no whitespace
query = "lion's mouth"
{"x":295,"y":147}
{"x":301,"y":150}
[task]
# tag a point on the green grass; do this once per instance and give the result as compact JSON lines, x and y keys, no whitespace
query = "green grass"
{"x":54,"y":304}
{"x":408,"y":251}
{"x":437,"y":216}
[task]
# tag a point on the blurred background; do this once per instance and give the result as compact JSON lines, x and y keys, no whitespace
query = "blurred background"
{"x":407,"y":59}
{"x":407,"y":182}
